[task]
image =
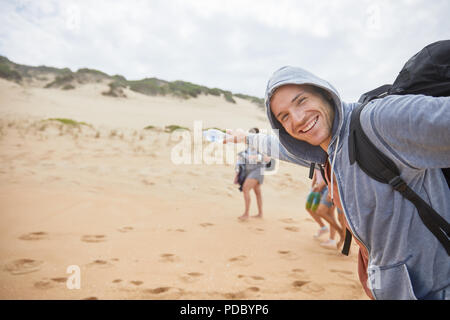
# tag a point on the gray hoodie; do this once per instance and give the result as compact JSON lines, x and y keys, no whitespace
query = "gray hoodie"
{"x":405,"y":260}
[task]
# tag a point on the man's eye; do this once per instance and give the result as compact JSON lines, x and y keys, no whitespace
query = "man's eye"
{"x":301,"y":100}
{"x":284,"y":118}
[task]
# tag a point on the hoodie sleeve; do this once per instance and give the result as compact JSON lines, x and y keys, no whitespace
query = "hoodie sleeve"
{"x":270,"y":145}
{"x":414,"y":128}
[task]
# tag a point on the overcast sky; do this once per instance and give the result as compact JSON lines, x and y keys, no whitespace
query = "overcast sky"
{"x":234,"y":45}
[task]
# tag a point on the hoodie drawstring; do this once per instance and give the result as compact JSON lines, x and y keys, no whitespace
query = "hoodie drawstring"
{"x":332,"y":169}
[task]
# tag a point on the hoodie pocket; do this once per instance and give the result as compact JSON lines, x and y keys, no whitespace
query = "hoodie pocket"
{"x":391,"y":283}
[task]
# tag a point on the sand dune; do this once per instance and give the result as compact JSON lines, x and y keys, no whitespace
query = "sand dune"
{"x":108,"y":199}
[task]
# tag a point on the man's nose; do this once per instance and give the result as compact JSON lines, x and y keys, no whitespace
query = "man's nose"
{"x":298,"y":120}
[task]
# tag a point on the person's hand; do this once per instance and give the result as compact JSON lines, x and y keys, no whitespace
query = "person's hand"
{"x":235,"y":136}
{"x":236,"y":179}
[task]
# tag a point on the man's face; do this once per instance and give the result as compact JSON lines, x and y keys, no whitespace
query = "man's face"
{"x":304,"y":113}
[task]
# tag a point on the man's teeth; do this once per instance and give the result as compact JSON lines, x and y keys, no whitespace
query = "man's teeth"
{"x":310,"y":126}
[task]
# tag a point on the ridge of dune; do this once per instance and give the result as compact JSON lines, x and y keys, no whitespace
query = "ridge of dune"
{"x":137,"y":111}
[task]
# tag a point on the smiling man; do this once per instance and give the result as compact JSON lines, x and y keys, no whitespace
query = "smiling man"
{"x":399,"y":257}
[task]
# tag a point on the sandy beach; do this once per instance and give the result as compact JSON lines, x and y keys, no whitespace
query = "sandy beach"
{"x":106,"y":197}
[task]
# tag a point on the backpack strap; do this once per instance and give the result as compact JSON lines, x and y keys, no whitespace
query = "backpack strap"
{"x":322,"y":172}
{"x":379,"y":167}
{"x":347,"y":242}
{"x":311,"y":170}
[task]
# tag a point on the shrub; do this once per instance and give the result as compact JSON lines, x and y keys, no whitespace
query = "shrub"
{"x":61,"y":80}
{"x":92,"y":71}
{"x":148,"y":86}
{"x":9,"y":74}
{"x":69,"y":122}
{"x":68,"y":87}
{"x":171,"y":128}
{"x":115,"y":90}
{"x":228,"y":96}
{"x":214,"y":92}
{"x":258,"y":101}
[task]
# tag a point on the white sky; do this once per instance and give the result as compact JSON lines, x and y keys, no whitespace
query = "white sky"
{"x":233,"y":45}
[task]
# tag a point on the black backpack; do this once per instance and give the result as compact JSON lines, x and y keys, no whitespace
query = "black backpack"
{"x":427,"y":73}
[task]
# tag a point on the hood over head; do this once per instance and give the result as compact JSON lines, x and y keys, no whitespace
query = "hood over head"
{"x":299,"y":148}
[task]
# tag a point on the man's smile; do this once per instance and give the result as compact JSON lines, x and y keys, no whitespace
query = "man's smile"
{"x":309,"y":125}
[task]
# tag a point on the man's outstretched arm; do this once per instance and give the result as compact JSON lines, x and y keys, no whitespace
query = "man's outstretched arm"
{"x":267,"y":144}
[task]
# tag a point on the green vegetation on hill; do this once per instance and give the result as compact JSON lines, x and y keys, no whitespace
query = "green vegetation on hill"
{"x":224,"y":131}
{"x":180,"y":89}
{"x":66,"y":79}
{"x":148,"y":86}
{"x":171,"y":128}
{"x":258,"y":101}
{"x":115,"y":90}
{"x":69,"y":122}
{"x":92,"y":71}
{"x":7,"y":73}
{"x":60,"y":81}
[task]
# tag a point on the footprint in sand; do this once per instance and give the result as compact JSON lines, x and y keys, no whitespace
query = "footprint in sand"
{"x":148,"y":182}
{"x":251,"y":279}
{"x":23,"y":266}
{"x":206,"y":224}
{"x":90,"y":298}
{"x":341,"y":271}
{"x":165,"y":293}
{"x":288,"y":220}
{"x":125,"y":229}
{"x":100,"y":263}
{"x":299,"y":283}
{"x":256,"y":230}
{"x":117,"y":281}
{"x":297,"y":274}
{"x":59,"y":279}
{"x":169,"y":257}
{"x":313,"y":288}
{"x":240,"y":295}
{"x":43,"y":285}
{"x":240,"y":260}
{"x":286,"y":254}
{"x":191,"y":276}
{"x":136,"y":282}
{"x":308,"y":287}
{"x":49,"y":284}
{"x":297,"y":270}
{"x":293,"y":229}
{"x":158,"y":290}
{"x":93,"y":238}
{"x":180,"y":230}
{"x":40,"y":235}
